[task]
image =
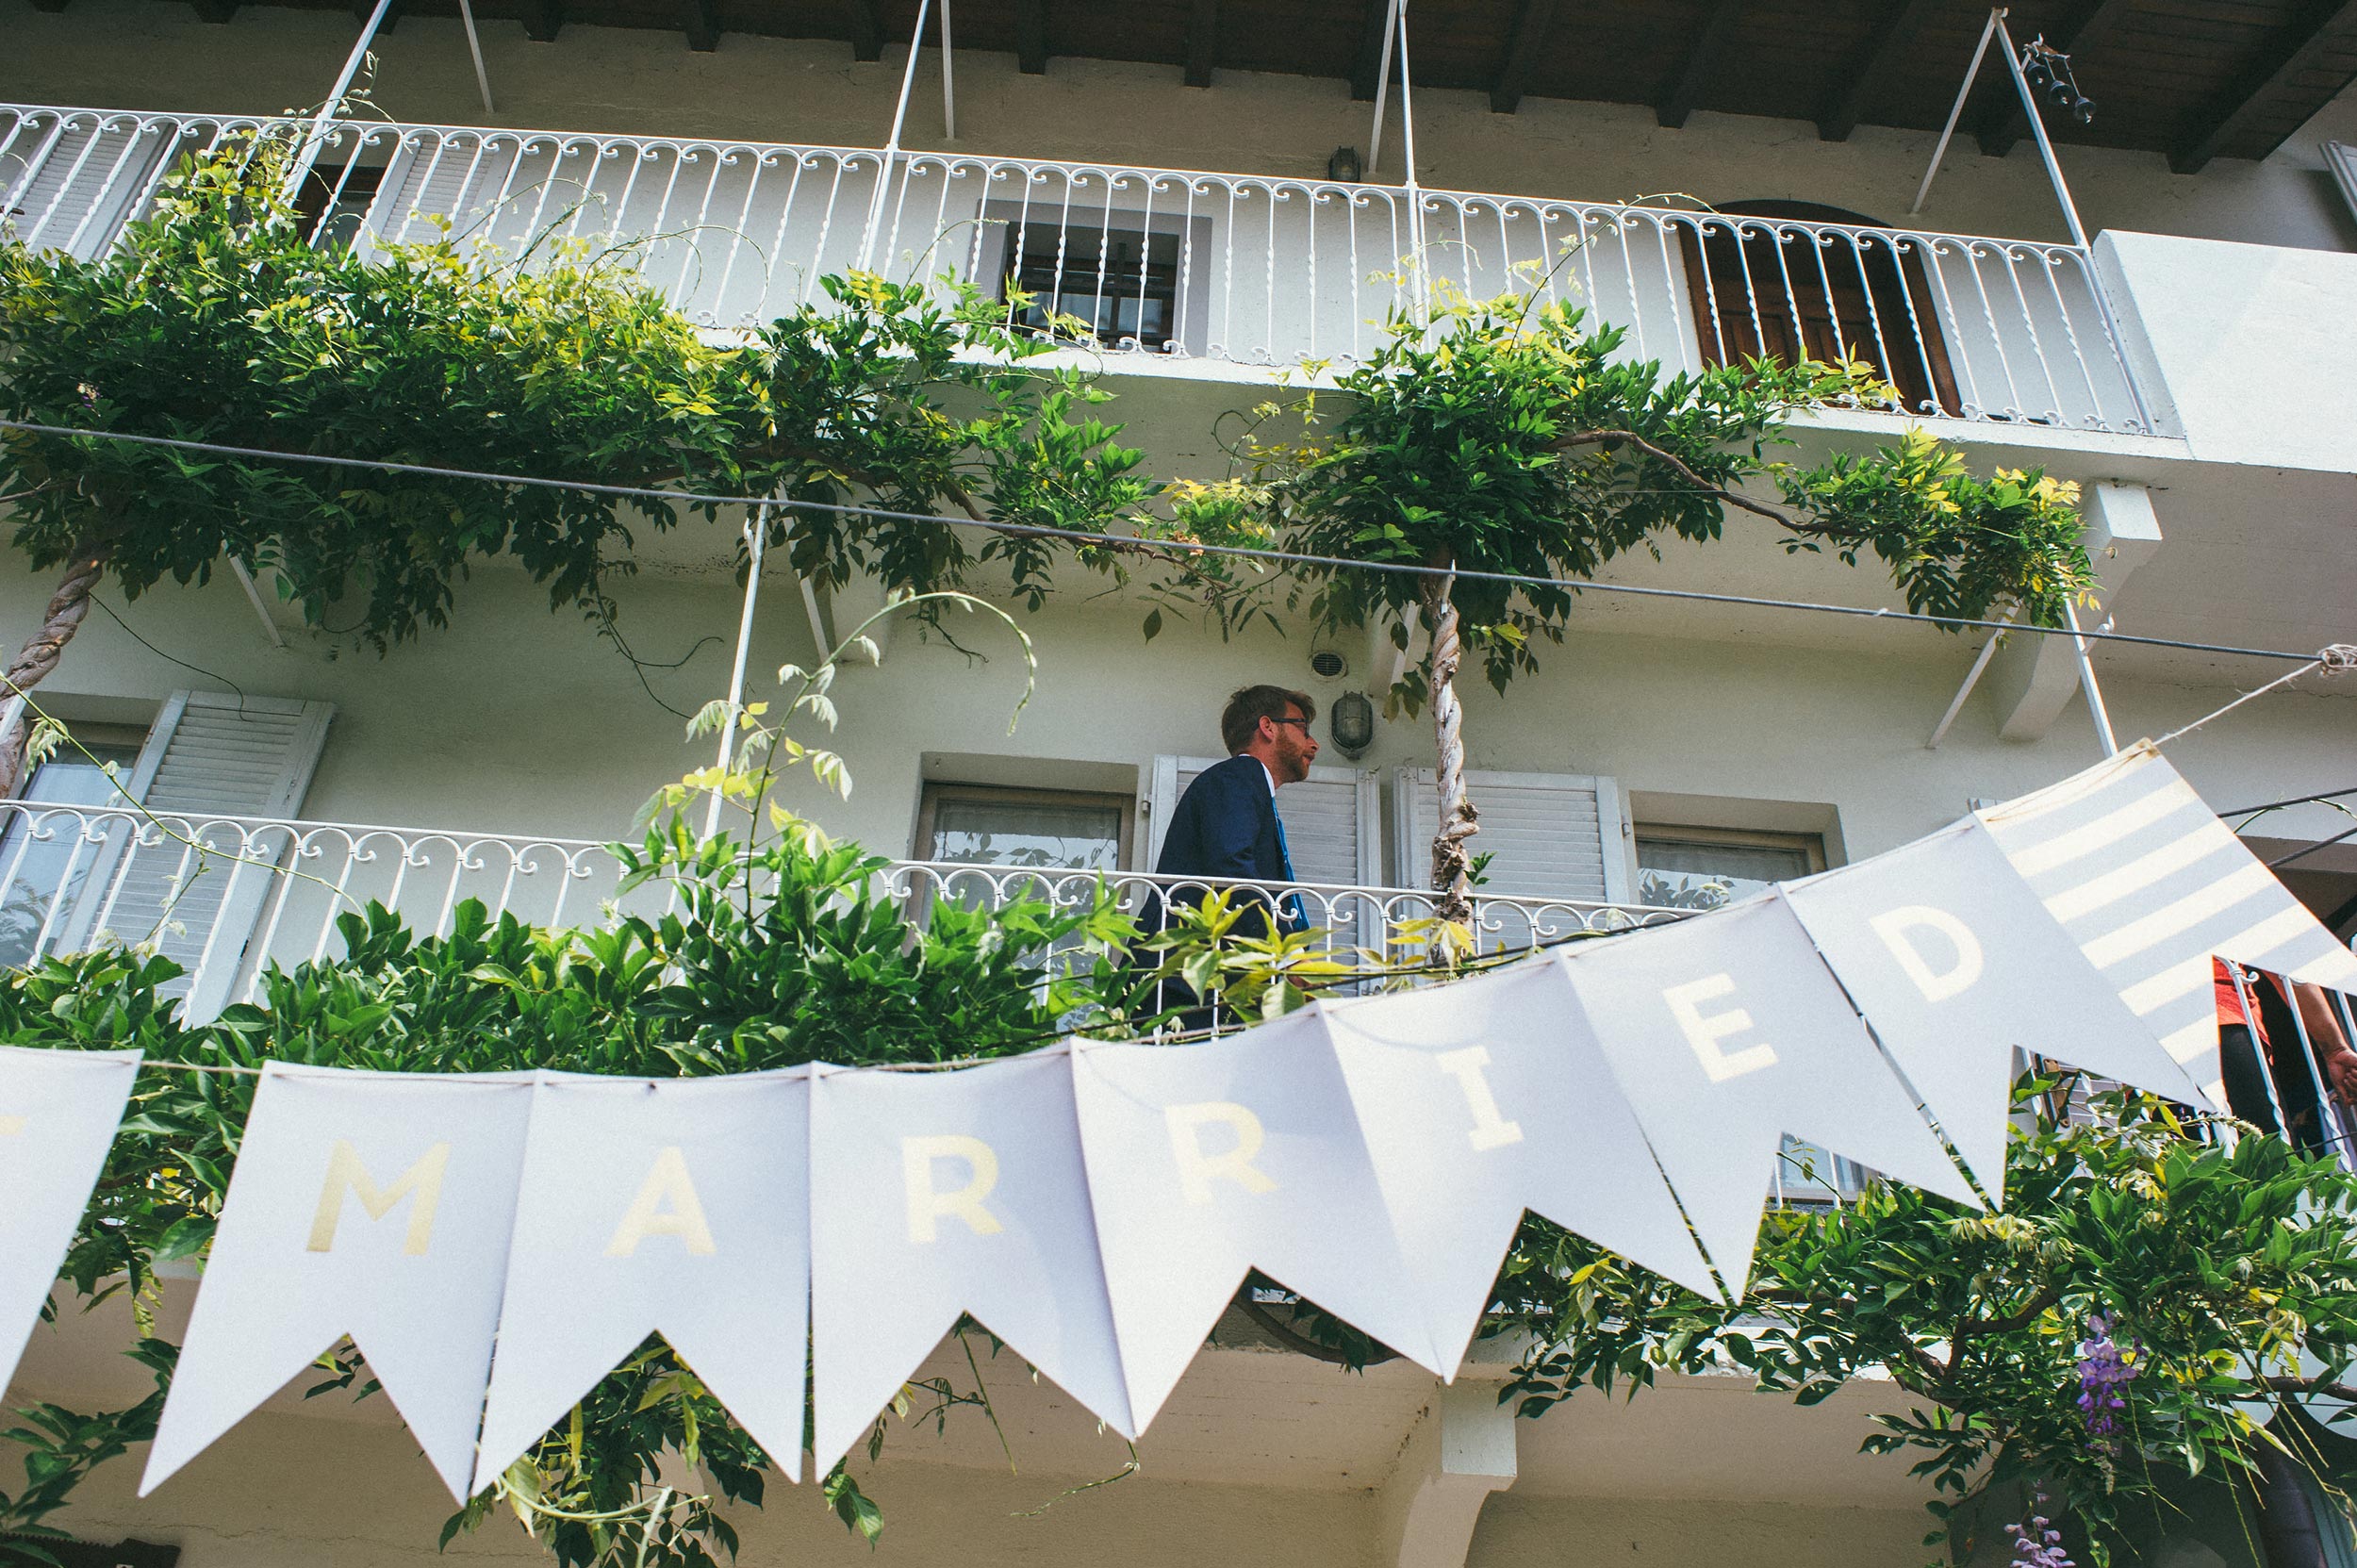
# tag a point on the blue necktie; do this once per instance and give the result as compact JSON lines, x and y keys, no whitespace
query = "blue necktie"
{"x":1285,"y":858}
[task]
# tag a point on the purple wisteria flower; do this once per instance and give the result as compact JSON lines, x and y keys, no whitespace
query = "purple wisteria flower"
{"x":2037,"y":1543}
{"x":2103,"y":1372}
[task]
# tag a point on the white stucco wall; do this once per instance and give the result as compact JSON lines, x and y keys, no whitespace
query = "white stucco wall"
{"x":2256,"y":345}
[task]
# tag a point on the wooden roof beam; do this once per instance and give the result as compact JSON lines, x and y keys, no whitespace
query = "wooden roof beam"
{"x":1368,"y":69}
{"x":361,"y":10}
{"x":1030,"y":36}
{"x":1532,"y":19}
{"x":2317,"y":27}
{"x":543,"y":19}
{"x":216,"y":12}
{"x":2007,"y":123}
{"x":701,"y":21}
{"x":866,"y":25}
{"x":1202,"y":42}
{"x":1865,"y":76}
{"x":1710,"y":47}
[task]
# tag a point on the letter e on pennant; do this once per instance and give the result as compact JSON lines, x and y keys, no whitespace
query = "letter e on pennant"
{"x":1704,"y":1031}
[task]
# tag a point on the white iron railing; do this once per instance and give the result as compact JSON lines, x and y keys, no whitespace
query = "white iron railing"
{"x":227,"y":896}
{"x":1240,"y":269}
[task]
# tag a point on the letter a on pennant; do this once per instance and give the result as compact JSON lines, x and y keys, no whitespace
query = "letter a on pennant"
{"x":371,"y":1204}
{"x":678,"y":1207}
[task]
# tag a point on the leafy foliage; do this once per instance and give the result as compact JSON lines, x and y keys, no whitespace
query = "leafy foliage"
{"x":2235,"y":1269}
{"x":216,"y":320}
{"x":1511,"y":436}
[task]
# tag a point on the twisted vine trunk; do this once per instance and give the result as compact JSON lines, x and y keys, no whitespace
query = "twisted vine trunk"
{"x":35,"y":661}
{"x":1452,"y":862}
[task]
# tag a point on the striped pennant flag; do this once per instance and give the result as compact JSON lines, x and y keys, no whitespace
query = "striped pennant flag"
{"x":2151,"y":884}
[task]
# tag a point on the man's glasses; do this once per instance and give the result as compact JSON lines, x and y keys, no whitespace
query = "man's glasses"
{"x":1303,"y":723}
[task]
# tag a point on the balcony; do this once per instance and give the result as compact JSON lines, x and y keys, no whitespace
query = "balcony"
{"x":1191,"y":273}
{"x":227,"y":896}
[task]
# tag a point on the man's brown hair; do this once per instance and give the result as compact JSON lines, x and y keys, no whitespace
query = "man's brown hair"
{"x":1247,"y":706}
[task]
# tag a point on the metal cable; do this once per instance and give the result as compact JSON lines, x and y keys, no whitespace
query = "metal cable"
{"x":1130,"y":541}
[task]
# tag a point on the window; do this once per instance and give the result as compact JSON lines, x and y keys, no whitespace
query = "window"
{"x":1767,"y":283}
{"x":1683,"y":867}
{"x":1122,"y":284}
{"x":1043,"y":829}
{"x":43,"y":855}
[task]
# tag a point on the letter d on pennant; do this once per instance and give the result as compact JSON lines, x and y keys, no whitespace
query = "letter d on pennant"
{"x":1893,"y":926}
{"x":346,"y":1174}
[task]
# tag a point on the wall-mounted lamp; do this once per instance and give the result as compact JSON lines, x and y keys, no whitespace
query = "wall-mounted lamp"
{"x":1345,"y":166}
{"x":1350,"y":723}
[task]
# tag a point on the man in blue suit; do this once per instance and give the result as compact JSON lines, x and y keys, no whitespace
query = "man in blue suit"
{"x":1225,"y":824}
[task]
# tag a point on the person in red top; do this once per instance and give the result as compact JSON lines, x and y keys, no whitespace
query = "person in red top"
{"x":2268,"y":1024}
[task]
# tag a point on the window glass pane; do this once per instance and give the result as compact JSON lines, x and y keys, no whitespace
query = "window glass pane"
{"x":1081,"y":834}
{"x":1675,"y":873}
{"x":43,"y":854}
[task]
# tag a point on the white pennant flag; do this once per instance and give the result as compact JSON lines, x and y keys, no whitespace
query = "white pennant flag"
{"x":1487,"y":1096}
{"x":1956,"y":963}
{"x":58,"y":1110}
{"x":670,"y":1206}
{"x":1727,"y":1033}
{"x":371,"y":1204}
{"x":941,"y":1193}
{"x":2150,"y":885}
{"x":1208,"y":1161}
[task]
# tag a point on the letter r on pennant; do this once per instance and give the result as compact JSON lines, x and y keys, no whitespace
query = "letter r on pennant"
{"x":1198,"y":1169}
{"x":11,"y":1125}
{"x":423,"y":1182}
{"x":928,"y":1205}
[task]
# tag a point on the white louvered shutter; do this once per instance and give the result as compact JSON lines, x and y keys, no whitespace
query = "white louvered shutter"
{"x":210,"y":755}
{"x":1550,"y":835}
{"x":1331,"y":818}
{"x":82,"y":187}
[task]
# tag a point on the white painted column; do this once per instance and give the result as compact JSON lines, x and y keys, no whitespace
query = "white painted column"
{"x":1460,"y":1450}
{"x":2034,"y":677}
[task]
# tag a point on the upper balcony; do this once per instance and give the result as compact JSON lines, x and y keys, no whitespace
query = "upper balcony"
{"x":1178,"y":273}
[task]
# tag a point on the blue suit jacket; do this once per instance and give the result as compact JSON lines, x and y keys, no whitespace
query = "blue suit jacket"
{"x":1225,"y":826}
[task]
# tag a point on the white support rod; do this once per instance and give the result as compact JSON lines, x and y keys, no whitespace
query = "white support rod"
{"x":2086,"y":683}
{"x":891,"y":155}
{"x":253,"y":596}
{"x":2038,"y":128}
{"x":1383,"y":85}
{"x":2267,"y":1068}
{"x":757,"y":536}
{"x":1971,"y":73}
{"x":475,"y":47}
{"x":948,"y":92}
{"x":1408,"y":151}
{"x":2333,"y":1142}
{"x":1971,"y":679}
{"x":309,"y":153}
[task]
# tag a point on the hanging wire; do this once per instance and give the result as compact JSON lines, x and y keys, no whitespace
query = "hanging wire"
{"x":1164,"y":547}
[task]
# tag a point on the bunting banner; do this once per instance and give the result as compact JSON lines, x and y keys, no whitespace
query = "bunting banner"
{"x":376,"y":1205}
{"x":2150,"y":885}
{"x":59,"y":1110}
{"x":669,"y":1206}
{"x":991,"y":1217}
{"x":1206,"y":1162}
{"x":1096,"y":1206}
